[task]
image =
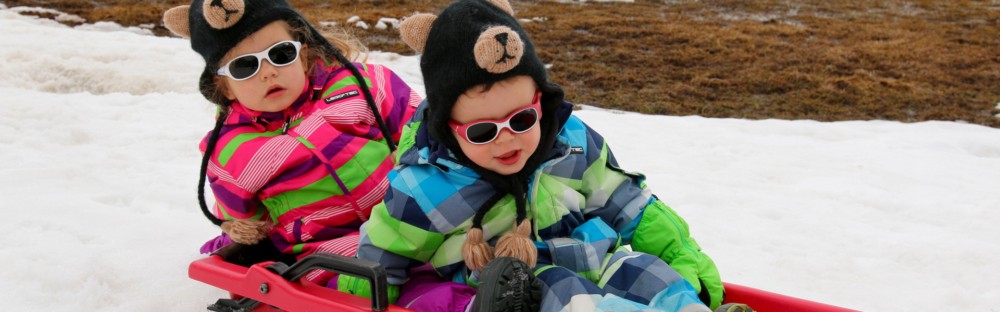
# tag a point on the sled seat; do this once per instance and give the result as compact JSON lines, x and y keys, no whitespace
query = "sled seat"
{"x":275,"y":286}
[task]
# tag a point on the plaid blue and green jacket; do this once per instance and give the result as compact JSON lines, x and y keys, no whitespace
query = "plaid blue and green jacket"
{"x":581,"y":203}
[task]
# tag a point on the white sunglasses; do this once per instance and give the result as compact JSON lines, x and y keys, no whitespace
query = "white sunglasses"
{"x":245,"y":66}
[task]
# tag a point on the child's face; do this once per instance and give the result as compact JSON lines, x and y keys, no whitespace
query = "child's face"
{"x":509,"y":151}
{"x":272,"y":88}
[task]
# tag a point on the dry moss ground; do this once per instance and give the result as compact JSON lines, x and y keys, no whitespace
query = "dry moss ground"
{"x":810,"y":59}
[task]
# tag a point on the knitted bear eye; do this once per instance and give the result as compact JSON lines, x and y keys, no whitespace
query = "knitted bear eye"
{"x":498,"y":49}
{"x":222,"y":14}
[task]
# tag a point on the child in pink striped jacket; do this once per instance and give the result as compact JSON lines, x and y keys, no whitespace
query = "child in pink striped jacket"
{"x":304,"y":138}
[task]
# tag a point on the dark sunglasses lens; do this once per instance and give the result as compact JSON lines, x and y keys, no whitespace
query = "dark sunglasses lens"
{"x":282,"y":54}
{"x":243,"y":67}
{"x":524,"y":120}
{"x":481,"y":132}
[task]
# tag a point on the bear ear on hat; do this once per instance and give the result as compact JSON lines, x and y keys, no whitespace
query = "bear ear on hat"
{"x":415,"y":29}
{"x":503,"y":5}
{"x":176,"y":20}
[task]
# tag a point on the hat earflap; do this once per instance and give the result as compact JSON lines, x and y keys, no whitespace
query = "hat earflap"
{"x":415,"y":29}
{"x":177,"y":21}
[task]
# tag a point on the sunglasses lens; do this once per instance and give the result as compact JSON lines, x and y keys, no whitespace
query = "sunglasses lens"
{"x":282,"y":54}
{"x":524,"y":120}
{"x":481,"y":132}
{"x":243,"y":67}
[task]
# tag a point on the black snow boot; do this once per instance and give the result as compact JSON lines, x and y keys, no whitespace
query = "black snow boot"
{"x":509,"y":285}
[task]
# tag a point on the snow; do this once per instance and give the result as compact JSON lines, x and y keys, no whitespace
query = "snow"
{"x":99,"y":134}
{"x":59,"y":16}
{"x":386,"y":22}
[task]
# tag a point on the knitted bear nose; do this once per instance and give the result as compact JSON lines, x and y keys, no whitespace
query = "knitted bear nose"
{"x":502,"y":38}
{"x":498,"y":49}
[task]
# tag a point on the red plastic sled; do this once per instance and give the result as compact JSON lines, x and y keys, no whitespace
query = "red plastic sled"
{"x":273,"y":286}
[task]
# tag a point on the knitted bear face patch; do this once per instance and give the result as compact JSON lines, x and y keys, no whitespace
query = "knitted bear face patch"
{"x":497,"y":50}
{"x":220,"y":14}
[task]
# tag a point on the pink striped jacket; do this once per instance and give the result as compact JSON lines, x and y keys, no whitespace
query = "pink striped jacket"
{"x":316,"y":169}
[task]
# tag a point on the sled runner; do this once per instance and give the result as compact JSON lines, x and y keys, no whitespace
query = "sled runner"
{"x":275,"y":286}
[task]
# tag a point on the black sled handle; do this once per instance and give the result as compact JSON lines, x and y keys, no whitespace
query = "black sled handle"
{"x":371,"y":271}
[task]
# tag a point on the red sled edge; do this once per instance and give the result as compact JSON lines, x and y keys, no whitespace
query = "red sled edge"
{"x":258,"y":283}
{"x":765,"y":301}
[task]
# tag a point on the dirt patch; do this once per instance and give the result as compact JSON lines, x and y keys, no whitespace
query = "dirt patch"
{"x":824,"y":60}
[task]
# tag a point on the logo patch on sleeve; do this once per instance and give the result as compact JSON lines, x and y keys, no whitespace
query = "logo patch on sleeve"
{"x":576,"y":150}
{"x":341,"y":96}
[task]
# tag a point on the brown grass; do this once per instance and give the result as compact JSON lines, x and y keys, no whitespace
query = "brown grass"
{"x":812,"y":59}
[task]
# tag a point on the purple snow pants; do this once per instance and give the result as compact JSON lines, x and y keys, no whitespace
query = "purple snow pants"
{"x":427,"y":292}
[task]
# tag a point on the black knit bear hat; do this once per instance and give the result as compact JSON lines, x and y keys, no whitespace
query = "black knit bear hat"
{"x":476,"y":42}
{"x":472,"y":42}
{"x":216,"y":26}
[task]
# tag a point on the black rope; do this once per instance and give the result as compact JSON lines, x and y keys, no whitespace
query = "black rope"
{"x":213,"y":139}
{"x":477,"y":219}
{"x":504,"y":185}
{"x":520,"y":202}
{"x":369,"y":98}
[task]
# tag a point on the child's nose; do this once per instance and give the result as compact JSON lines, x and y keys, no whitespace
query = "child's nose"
{"x":505,"y":135}
{"x":267,"y":70}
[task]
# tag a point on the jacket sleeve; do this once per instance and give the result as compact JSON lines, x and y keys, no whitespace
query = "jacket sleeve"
{"x":612,"y":194}
{"x":398,"y":236}
{"x":622,"y":199}
{"x":397,"y":101}
{"x":239,"y":168}
{"x":663,"y":233}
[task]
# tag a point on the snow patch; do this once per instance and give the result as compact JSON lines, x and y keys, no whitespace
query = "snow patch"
{"x":69,"y":18}
{"x":59,"y":15}
{"x":385,"y":22}
{"x":356,"y":20}
{"x":998,"y":110}
{"x":101,"y":60}
{"x":784,"y":18}
{"x":114,"y":27}
{"x":533,"y":19}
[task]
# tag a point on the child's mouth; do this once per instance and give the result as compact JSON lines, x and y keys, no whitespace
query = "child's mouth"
{"x":509,"y":158}
{"x":274,"y":91}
